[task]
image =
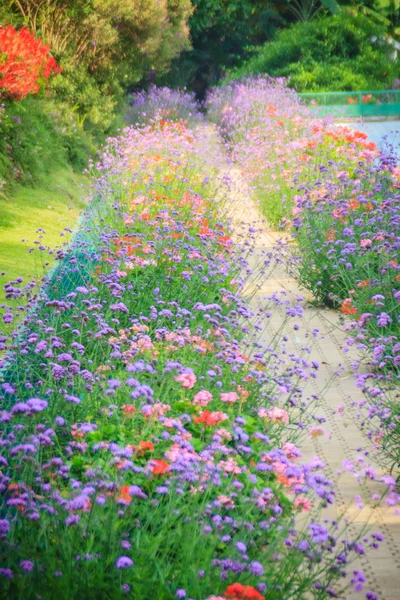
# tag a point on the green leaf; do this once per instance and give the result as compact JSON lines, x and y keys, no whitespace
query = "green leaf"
{"x":331,"y":5}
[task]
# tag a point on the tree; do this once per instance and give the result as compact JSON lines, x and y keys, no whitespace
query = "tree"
{"x":105,"y":46}
{"x":221,"y":31}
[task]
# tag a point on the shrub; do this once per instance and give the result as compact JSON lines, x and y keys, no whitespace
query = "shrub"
{"x":342,"y":52}
{"x":37,"y":135}
{"x":162,"y":102}
{"x":24,"y":62}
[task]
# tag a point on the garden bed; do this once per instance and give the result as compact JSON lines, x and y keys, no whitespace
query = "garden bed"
{"x":148,"y":449}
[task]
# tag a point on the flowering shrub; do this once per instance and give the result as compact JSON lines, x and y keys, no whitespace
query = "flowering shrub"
{"x":339,"y":197}
{"x":162,"y":103}
{"x":24,"y":62}
{"x":144,"y":452}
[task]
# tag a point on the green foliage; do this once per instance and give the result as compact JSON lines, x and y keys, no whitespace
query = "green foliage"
{"x":382,"y":11}
{"x":104,"y":46}
{"x":221,"y":31}
{"x":37,"y":136}
{"x":306,"y":10}
{"x":344,"y":52}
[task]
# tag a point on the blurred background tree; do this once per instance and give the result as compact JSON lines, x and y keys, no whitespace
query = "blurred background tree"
{"x":221,"y":31}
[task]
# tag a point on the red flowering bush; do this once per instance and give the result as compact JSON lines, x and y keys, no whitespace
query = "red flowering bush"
{"x":24,"y":62}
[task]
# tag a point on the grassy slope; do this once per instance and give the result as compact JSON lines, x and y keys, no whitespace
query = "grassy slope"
{"x":51,"y":206}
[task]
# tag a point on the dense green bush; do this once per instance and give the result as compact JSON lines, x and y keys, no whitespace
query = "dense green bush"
{"x":36,"y":136}
{"x":344,"y":52}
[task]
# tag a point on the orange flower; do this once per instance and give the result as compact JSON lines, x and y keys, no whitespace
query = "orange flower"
{"x":225,"y":241}
{"x":76,"y":433}
{"x":330,"y":235}
{"x":347,"y":309}
{"x":159,"y":467}
{"x":145,"y":215}
{"x":210,"y":418}
{"x":354,"y":204}
{"x":284,"y":480}
{"x":364,"y":283}
{"x":237,"y":591}
{"x":337,"y":214}
{"x":144,"y":446}
{"x":125,"y":495}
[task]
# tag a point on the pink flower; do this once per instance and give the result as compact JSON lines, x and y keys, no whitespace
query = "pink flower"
{"x":223,"y":433}
{"x":291,"y":450}
{"x":302,"y":502}
{"x":316,"y":431}
{"x":366,"y":243}
{"x":279,"y":468}
{"x":202,"y":398}
{"x":144,"y":343}
{"x":187,"y":380}
{"x":243,"y":393}
{"x":226,"y":501}
{"x":278,"y":415}
{"x":229,"y":397}
{"x":154,"y":411}
{"x":230,"y":466}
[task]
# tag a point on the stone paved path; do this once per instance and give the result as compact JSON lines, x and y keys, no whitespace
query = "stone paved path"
{"x":344,"y":437}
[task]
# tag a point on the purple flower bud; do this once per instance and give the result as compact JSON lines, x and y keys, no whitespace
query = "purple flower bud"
{"x":123,"y":562}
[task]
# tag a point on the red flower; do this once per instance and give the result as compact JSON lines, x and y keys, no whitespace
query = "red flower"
{"x":159,"y":467}
{"x":143,"y":447}
{"x":125,"y":496}
{"x":24,"y":62}
{"x":237,"y":591}
{"x":347,"y":308}
{"x":210,"y":418}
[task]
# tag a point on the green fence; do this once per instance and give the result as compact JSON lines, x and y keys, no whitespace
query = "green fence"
{"x":382,"y":103}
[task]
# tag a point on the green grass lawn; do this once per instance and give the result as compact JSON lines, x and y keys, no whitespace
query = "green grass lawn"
{"x":52,"y":207}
